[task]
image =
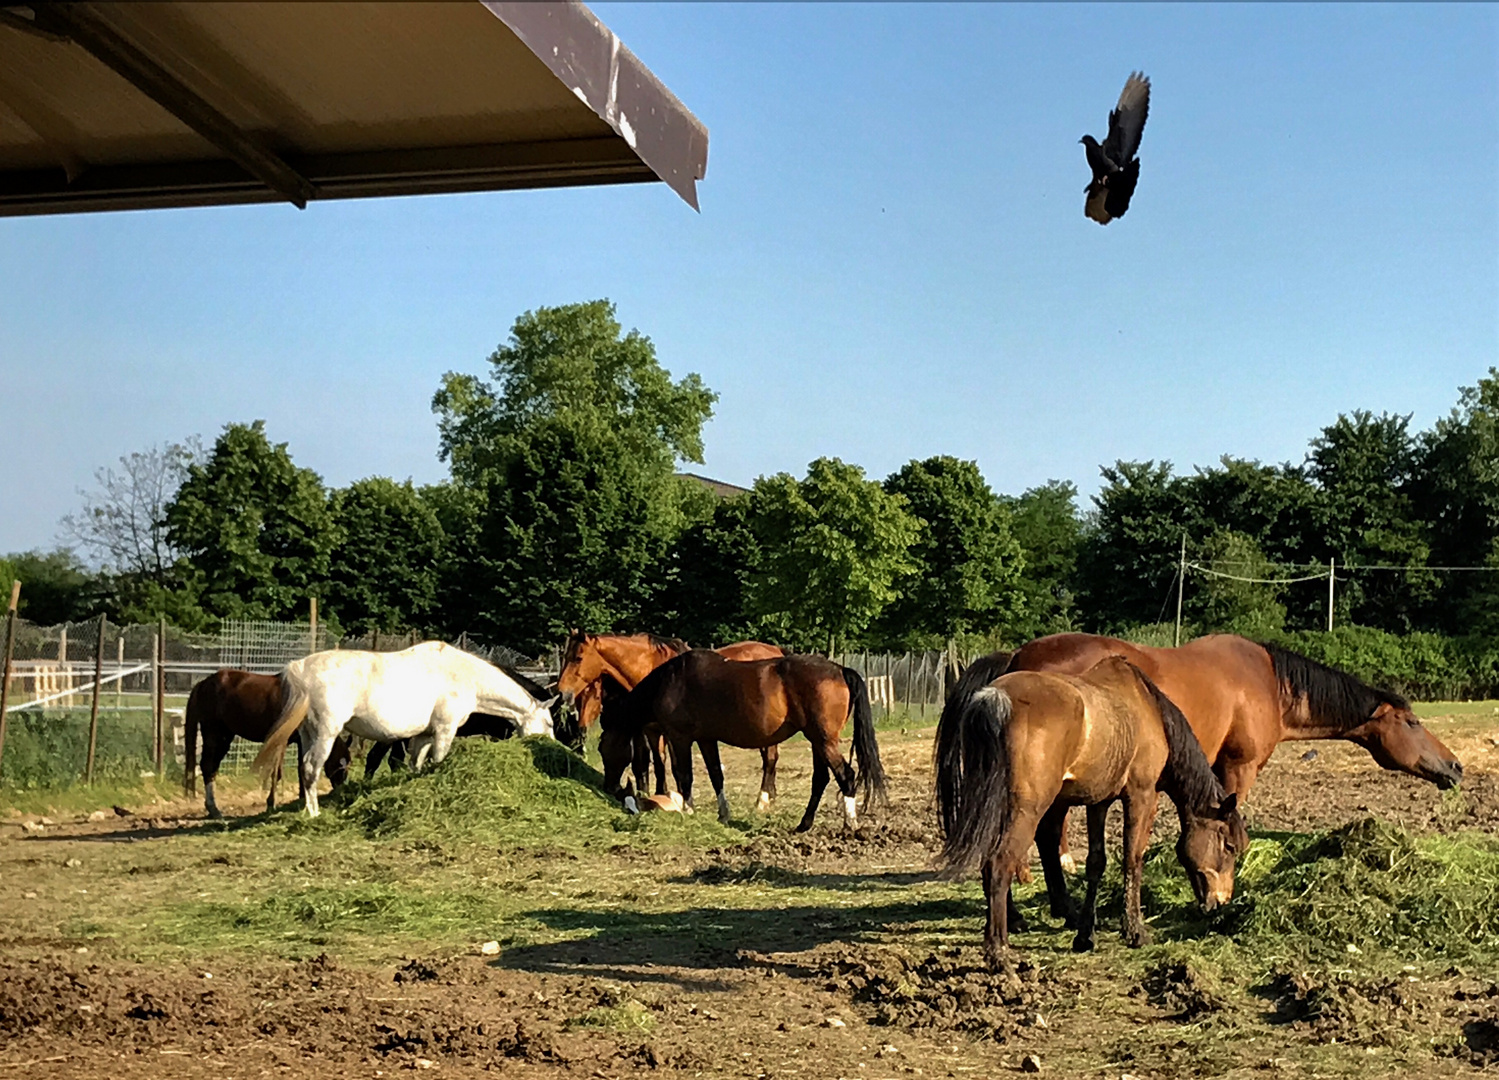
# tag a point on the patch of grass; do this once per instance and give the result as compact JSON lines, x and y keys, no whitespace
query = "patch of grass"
{"x":629,"y":1017}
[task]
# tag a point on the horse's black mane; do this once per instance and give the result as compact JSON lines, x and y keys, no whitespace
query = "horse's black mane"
{"x":1332,"y":696}
{"x":1193,"y":784}
{"x":661,"y":641}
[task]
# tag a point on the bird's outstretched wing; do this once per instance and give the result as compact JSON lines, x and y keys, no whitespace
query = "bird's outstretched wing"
{"x":1127,"y":120}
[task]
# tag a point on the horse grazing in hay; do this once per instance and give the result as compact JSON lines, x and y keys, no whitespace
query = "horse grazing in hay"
{"x":704,"y":698}
{"x":591,"y":662}
{"x":229,"y":703}
{"x":1242,"y":699}
{"x":424,"y":693}
{"x":1029,"y":744}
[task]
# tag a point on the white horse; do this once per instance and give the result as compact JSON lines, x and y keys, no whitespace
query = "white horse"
{"x":425,"y":692}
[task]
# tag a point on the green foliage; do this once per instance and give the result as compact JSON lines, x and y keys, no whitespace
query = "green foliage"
{"x":1229,"y":606}
{"x":1045,"y":523}
{"x":48,"y":749}
{"x":833,"y":547}
{"x":967,"y":565}
{"x":255,"y":528}
{"x":384,"y":571}
{"x":713,"y":562}
{"x":573,"y":445}
{"x":1127,"y":563}
{"x":55,"y":586}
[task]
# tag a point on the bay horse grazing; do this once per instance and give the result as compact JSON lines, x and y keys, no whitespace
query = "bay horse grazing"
{"x":424,"y":693}
{"x":228,"y":703}
{"x":1028,"y":745}
{"x":1242,"y":699}
{"x":591,"y":661}
{"x":704,"y":698}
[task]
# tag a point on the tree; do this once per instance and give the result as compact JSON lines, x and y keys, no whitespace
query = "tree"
{"x":967,"y":566}
{"x":1228,"y":604}
{"x":384,"y":570}
{"x":1127,"y":564}
{"x":55,"y":586}
{"x":1045,"y":523}
{"x":832,"y":548}
{"x":1456,"y":493}
{"x":706,"y":600}
{"x":574,"y":444}
{"x":123,"y":520}
{"x":254,"y":528}
{"x":1365,"y":466}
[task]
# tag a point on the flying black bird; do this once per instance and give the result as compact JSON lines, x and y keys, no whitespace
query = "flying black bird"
{"x":1116,"y":170}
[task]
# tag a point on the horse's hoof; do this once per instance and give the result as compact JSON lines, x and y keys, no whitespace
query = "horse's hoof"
{"x":1018,"y":925}
{"x":803,"y":827}
{"x":1136,"y":940}
{"x":764,"y":804}
{"x":1069,"y":864}
{"x":215,"y":814}
{"x":1082,"y":943}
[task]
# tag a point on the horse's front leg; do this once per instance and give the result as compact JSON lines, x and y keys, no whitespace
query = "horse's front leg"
{"x":1139,"y":816}
{"x":819,"y":784}
{"x":1098,"y":859}
{"x":659,"y":751}
{"x":709,"y":750}
{"x":681,"y":767}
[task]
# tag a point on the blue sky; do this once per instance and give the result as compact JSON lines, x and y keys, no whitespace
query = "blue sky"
{"x":891,"y":262}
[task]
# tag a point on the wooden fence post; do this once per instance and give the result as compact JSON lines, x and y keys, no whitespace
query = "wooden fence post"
{"x":93,"y":713}
{"x":64,"y":673}
{"x":10,"y":645}
{"x":120,"y":666}
{"x":312,"y":637}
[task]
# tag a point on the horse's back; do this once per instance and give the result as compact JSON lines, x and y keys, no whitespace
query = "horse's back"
{"x":242,"y":703}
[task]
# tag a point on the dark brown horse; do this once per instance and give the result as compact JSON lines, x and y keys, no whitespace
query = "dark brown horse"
{"x":1030,"y":744}
{"x":701,"y":697}
{"x":229,"y":703}
{"x":591,"y":662}
{"x":1242,"y":700}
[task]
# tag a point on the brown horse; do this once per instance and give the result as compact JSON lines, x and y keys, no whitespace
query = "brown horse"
{"x":704,"y":698}
{"x":591,"y":660}
{"x":1029,"y":744}
{"x":1242,"y":699}
{"x":229,"y":703}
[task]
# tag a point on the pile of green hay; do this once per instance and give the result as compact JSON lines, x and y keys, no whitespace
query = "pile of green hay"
{"x":509,"y":792}
{"x":1369,"y":887}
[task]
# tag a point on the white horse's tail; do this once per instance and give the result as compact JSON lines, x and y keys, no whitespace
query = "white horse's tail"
{"x":294,"y":704}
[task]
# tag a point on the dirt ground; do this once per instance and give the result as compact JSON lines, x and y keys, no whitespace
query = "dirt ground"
{"x":872,"y":978}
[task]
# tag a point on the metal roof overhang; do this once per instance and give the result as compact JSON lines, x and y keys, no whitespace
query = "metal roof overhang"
{"x":122,"y":106}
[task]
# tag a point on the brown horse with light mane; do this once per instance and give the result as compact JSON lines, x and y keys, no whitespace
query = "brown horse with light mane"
{"x":1029,"y":744}
{"x":701,"y":697}
{"x":1242,"y":699}
{"x":591,"y":660}
{"x":231,"y":702}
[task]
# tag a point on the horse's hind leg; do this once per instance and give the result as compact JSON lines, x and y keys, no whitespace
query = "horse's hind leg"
{"x":1098,"y":858}
{"x":1139,"y":816}
{"x":999,"y":872}
{"x":709,"y":750}
{"x":819,"y":784}
{"x":1048,"y":837}
{"x":312,"y":755}
{"x":768,"y":758}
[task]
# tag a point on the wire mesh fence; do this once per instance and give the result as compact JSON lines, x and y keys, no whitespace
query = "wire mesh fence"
{"x":144,"y":674}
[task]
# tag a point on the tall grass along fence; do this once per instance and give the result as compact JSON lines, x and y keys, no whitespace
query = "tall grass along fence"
{"x":91,"y":701}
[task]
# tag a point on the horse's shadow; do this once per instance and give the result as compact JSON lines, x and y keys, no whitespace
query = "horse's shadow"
{"x":687,"y":948}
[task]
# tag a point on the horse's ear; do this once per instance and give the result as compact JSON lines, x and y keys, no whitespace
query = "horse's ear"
{"x":1229,"y":806}
{"x":549,"y":702}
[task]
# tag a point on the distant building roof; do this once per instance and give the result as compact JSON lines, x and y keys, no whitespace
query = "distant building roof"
{"x":718,"y":487}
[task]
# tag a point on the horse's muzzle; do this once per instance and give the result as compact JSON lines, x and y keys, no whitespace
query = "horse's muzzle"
{"x":1444,"y":774}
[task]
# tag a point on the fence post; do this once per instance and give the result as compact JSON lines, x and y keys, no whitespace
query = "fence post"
{"x":120,"y":682}
{"x":312,"y":635}
{"x":93,"y":713}
{"x":1181,"y":587}
{"x":10,"y":645}
{"x":156,"y":700}
{"x":64,"y":673}
{"x":1332,"y":574}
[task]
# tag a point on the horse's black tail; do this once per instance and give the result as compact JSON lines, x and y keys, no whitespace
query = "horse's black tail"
{"x":870,"y":773}
{"x":198,"y":709}
{"x":973,"y":776}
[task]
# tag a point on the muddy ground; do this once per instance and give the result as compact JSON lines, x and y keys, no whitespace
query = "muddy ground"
{"x":824,"y":955}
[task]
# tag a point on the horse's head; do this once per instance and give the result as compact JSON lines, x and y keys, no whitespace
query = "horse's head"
{"x":537,"y":719}
{"x":1398,"y":740}
{"x":581,"y":665}
{"x":1210,"y":841}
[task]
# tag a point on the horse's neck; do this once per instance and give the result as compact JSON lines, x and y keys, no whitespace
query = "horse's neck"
{"x":1299,"y":723}
{"x":629,"y":659}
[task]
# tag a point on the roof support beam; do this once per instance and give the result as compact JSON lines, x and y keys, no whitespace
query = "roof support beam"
{"x":83,"y":25}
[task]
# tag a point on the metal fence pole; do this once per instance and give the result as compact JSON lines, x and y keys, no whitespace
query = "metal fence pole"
{"x":10,"y":645}
{"x":158,"y":698}
{"x":93,"y":713}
